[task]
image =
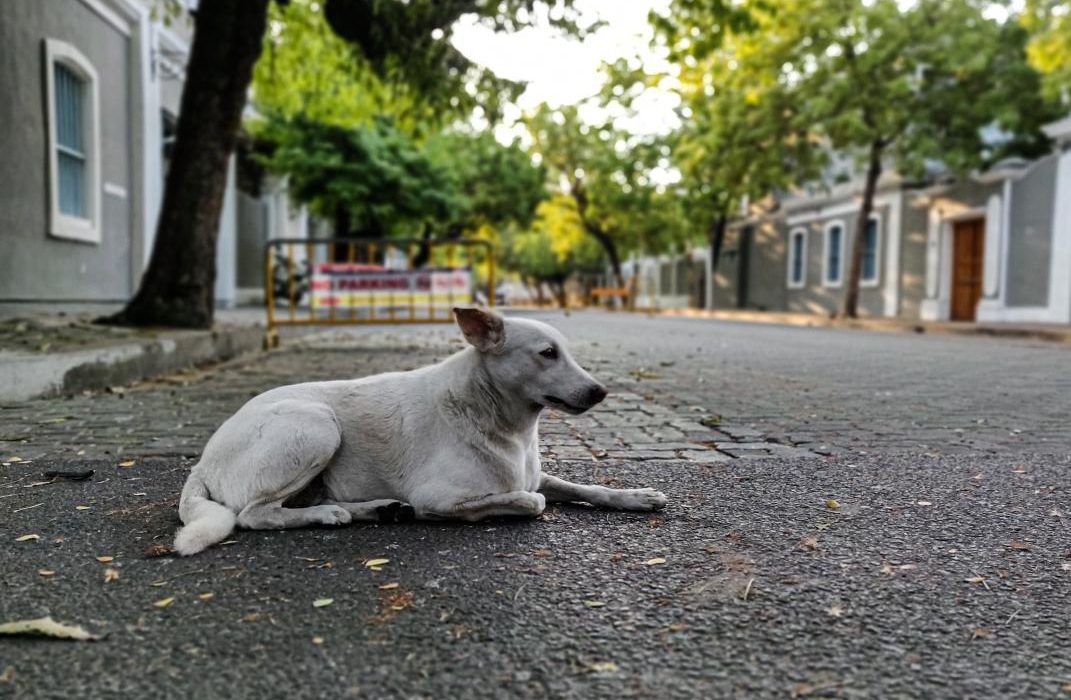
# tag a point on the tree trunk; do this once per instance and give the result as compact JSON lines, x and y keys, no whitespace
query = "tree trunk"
{"x":610,"y":247}
{"x":851,"y":292}
{"x":605,"y":240}
{"x":717,"y":240}
{"x":558,"y":286}
{"x":178,"y":286}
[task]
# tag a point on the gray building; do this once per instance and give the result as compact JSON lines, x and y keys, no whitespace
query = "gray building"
{"x":91,"y":93}
{"x":992,"y":247}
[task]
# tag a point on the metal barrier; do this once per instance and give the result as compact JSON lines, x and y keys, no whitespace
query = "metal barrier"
{"x":337,"y":281}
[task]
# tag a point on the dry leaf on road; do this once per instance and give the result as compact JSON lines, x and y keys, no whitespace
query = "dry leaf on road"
{"x":655,"y":561}
{"x":48,"y":627}
{"x":164,"y":602}
{"x":322,"y":602}
{"x":27,"y":538}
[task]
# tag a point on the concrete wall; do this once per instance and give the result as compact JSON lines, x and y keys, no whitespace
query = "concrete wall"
{"x":818,"y":297}
{"x":914,"y":220}
{"x":766,"y":267}
{"x":1030,"y":241}
{"x":33,"y":264}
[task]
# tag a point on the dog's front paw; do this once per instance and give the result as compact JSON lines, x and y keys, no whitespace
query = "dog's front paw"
{"x":643,"y":499}
{"x":334,"y":515}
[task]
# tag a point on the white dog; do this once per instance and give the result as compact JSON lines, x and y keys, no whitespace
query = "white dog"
{"x":458,"y":439}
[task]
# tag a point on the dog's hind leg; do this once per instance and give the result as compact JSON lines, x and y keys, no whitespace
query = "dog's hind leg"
{"x":294,"y":441}
{"x":558,"y":490}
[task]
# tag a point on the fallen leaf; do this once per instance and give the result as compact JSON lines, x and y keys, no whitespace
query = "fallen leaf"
{"x":542,"y":553}
{"x":400,"y":600}
{"x":594,"y":603}
{"x":8,"y":675}
{"x":164,"y":602}
{"x":48,"y":627}
{"x":388,"y":586}
{"x":105,"y":559}
{"x":158,"y":550}
{"x":835,"y":611}
{"x":923,"y":503}
{"x":1020,"y":546}
{"x":206,"y":596}
{"x":127,"y":463}
{"x":603,"y":667}
{"x":832,"y":503}
{"x":655,"y":561}
{"x":322,"y":602}
{"x":27,"y":538}
{"x":372,"y":563}
{"x":46,"y":572}
{"x":110,"y":575}
{"x":981,"y":633}
{"x":317,"y":640}
{"x":81,"y":507}
{"x":809,"y":542}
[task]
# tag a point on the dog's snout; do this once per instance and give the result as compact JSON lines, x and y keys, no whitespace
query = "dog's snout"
{"x":597,"y":393}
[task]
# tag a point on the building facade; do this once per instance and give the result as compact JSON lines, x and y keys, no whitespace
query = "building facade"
{"x":994,"y":247}
{"x":92,"y":91}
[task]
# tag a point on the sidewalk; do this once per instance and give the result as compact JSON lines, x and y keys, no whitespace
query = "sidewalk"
{"x":1046,"y":332}
{"x":57,"y":352}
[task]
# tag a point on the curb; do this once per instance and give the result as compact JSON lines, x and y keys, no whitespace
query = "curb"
{"x":1051,"y":334}
{"x":25,"y":376}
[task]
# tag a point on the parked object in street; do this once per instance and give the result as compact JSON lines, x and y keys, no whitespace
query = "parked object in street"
{"x":458,"y":439}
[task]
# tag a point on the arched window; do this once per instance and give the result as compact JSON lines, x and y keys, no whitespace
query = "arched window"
{"x":797,"y":258}
{"x":74,"y":143}
{"x":871,"y":252}
{"x":833,"y":254}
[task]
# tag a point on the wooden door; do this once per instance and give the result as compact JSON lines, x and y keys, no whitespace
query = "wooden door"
{"x":968,"y":250}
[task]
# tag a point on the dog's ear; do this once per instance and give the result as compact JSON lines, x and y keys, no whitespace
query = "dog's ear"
{"x":482,"y":328}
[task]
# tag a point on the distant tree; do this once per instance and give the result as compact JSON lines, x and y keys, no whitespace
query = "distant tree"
{"x":725,"y":147}
{"x":553,"y":249}
{"x":608,"y":175}
{"x":371,"y":181}
{"x":904,"y":86}
{"x":403,"y":41}
{"x":1049,"y":50}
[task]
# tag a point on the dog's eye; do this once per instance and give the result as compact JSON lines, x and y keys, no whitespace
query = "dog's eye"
{"x":549,"y":353}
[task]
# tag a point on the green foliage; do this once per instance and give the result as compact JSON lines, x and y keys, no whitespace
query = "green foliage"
{"x":496,"y":185}
{"x":307,"y":70}
{"x":608,"y":175}
{"x":1049,"y":50}
{"x":409,"y":42}
{"x":554,"y":247}
{"x":371,"y":180}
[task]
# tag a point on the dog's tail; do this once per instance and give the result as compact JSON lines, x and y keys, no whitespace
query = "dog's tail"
{"x":206,"y":522}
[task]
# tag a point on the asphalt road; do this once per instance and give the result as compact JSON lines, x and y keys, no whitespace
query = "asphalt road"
{"x":935,"y":577}
{"x":943,"y":571}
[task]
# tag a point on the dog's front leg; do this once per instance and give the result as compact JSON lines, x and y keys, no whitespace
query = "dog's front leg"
{"x":556,"y":489}
{"x":520,"y":503}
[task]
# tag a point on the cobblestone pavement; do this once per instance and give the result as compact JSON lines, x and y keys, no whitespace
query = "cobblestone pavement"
{"x":681,"y":389}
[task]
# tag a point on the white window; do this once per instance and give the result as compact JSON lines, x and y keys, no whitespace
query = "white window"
{"x":73,"y":143}
{"x":871,"y":273}
{"x":833,"y":254}
{"x":797,"y":258}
